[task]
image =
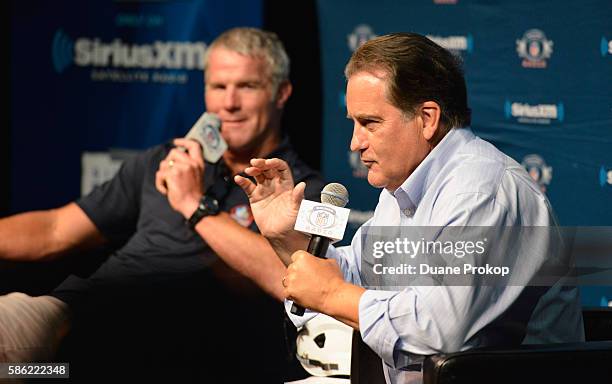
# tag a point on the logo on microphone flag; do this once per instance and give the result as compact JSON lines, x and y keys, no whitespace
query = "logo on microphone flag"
{"x":322,"y":219}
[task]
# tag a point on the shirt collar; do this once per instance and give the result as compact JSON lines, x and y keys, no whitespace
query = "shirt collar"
{"x":410,"y":193}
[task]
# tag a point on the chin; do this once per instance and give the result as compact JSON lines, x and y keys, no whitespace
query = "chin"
{"x":238,"y":147}
{"x":375,"y":181}
{"x":234,"y":141}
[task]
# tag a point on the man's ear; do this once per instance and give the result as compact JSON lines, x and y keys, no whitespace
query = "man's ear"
{"x":430,"y":113}
{"x":282,"y":95}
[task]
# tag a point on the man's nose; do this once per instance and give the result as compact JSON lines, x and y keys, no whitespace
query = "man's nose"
{"x":359,"y":140}
{"x":231,"y":99}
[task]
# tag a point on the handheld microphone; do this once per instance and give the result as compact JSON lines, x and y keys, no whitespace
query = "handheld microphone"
{"x":329,"y":218}
{"x":206,"y":132}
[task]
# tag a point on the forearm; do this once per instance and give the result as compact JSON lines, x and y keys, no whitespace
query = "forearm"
{"x":344,"y":304}
{"x":28,"y":237}
{"x":245,"y":251}
{"x":45,"y":235}
{"x":286,"y":246}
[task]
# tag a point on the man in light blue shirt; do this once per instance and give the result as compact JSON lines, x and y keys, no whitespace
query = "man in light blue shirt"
{"x":407,"y":99}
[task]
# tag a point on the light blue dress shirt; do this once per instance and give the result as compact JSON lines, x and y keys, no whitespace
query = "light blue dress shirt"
{"x":464,"y":181}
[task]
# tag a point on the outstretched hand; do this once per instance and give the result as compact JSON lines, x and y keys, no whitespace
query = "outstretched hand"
{"x":274,"y":200}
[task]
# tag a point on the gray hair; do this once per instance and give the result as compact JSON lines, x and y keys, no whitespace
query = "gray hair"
{"x":255,"y":43}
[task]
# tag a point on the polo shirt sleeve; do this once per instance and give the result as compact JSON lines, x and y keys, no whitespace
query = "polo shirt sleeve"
{"x":114,"y":206}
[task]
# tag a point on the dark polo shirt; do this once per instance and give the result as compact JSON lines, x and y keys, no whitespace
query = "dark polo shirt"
{"x":163,"y":294}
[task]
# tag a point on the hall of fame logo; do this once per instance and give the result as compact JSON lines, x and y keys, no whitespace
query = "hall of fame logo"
{"x":242,"y":214}
{"x":539,"y":171}
{"x":534,"y":48}
{"x":360,"y":35}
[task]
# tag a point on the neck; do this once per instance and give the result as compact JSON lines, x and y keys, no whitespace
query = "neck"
{"x":238,"y":160}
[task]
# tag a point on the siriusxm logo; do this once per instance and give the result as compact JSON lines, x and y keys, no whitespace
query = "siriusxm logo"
{"x":605,"y":176}
{"x":62,"y":50}
{"x":342,"y":99}
{"x":534,"y":114}
{"x":605,"y":47}
{"x":454,"y":43}
{"x":118,"y":54}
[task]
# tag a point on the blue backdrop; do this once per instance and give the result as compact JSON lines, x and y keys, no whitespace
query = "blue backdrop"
{"x":94,"y":75}
{"x":538,"y":75}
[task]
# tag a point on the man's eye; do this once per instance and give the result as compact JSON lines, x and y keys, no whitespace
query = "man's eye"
{"x":366,"y":122}
{"x":250,"y":85}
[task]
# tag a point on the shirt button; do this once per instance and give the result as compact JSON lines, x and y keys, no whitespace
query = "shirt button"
{"x":408,"y":212}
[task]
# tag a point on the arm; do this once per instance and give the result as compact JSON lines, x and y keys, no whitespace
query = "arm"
{"x":45,"y":235}
{"x":245,"y":251}
{"x":398,"y":322}
{"x":318,"y":284}
{"x":331,"y":286}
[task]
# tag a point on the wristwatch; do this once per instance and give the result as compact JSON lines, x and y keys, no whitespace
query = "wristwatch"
{"x":208,"y":206}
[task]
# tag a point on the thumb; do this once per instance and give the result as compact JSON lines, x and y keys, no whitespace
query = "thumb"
{"x":247,"y":185}
{"x":297,"y":195}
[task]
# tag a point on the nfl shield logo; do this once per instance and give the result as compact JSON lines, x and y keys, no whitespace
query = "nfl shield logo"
{"x":322,"y":217}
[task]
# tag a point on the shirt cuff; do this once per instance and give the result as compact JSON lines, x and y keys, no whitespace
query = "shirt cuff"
{"x":298,"y":321}
{"x":375,"y":326}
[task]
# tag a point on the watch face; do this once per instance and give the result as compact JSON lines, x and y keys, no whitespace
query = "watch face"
{"x":209,"y":205}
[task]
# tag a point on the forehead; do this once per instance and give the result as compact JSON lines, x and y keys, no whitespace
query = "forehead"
{"x":227,"y":65}
{"x":366,"y":93}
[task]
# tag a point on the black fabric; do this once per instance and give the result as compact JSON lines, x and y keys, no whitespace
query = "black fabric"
{"x":587,"y":362}
{"x":597,"y":323}
{"x":366,"y":365}
{"x":163,"y":297}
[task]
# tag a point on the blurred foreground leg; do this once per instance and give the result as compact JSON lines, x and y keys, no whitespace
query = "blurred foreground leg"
{"x":31,"y":328}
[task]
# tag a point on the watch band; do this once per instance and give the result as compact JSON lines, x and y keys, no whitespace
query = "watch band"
{"x":208,"y":206}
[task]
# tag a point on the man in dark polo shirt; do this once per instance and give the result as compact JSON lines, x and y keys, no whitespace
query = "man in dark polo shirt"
{"x":171,"y":299}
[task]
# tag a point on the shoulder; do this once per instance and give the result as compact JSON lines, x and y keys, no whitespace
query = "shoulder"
{"x":479,"y":167}
{"x":141,"y":158}
{"x":481,"y":177}
{"x":157,"y":152}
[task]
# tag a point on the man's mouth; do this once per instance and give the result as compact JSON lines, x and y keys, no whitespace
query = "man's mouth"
{"x":232,"y":123}
{"x":368,"y":163}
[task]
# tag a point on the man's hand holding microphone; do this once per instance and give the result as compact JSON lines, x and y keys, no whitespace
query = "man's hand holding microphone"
{"x":180,"y":174}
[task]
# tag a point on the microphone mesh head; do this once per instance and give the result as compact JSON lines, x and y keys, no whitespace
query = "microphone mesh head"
{"x":335,"y":194}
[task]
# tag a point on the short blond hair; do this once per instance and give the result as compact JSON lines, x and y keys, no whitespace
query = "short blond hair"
{"x":256,"y":43}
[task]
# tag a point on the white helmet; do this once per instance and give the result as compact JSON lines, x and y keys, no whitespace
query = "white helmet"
{"x":324,"y":347}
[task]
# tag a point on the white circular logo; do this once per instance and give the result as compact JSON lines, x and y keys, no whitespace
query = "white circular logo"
{"x":322,"y":217}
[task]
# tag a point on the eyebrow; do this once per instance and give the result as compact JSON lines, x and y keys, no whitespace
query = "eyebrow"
{"x":364,"y":117}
